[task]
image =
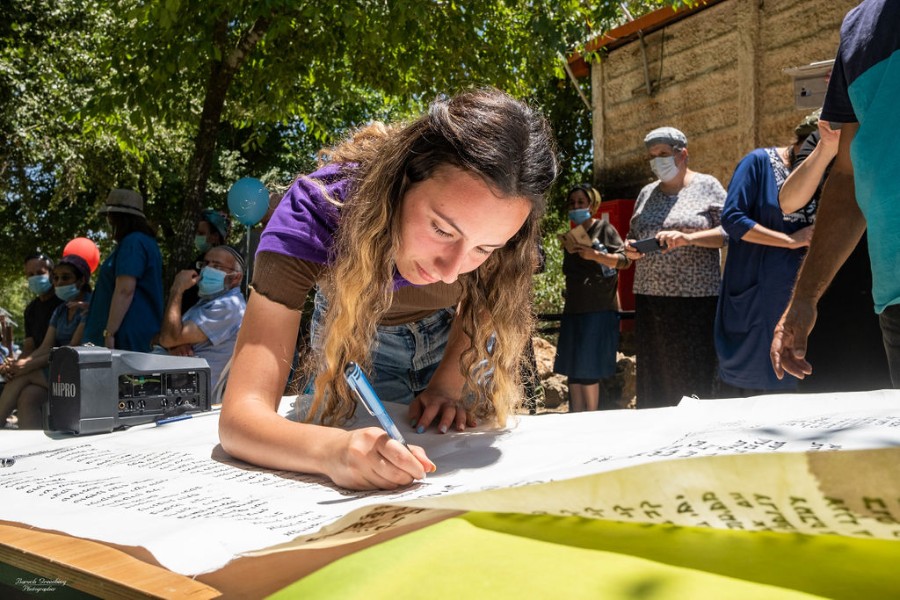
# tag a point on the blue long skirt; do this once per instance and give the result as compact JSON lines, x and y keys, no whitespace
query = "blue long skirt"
{"x":587,"y":345}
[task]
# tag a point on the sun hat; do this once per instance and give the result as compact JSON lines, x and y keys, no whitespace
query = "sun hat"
{"x":124,"y":201}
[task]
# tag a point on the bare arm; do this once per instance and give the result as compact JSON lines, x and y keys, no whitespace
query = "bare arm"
{"x":613,"y":260}
{"x":41,"y":356}
{"x":78,"y":335}
{"x":121,"y":301}
{"x":37,"y":359}
{"x":251,"y":429}
{"x":444,"y":391}
{"x":802,"y":183}
{"x":706,"y":238}
{"x":174,"y":331}
{"x":6,"y":334}
{"x":839,"y":227}
{"x":768,"y":237}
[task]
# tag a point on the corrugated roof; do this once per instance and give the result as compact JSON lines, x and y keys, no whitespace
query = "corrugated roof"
{"x":629,"y":32}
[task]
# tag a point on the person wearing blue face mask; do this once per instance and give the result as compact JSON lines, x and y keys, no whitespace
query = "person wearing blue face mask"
{"x":37,"y":314}
{"x":208,"y":329}
{"x":39,"y":310}
{"x":675,"y":290}
{"x":26,"y":388}
{"x":589,"y":331}
{"x":212,"y":230}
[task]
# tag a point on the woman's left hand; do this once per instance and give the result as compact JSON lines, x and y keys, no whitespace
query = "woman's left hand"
{"x":17,"y":367}
{"x":431,"y":404}
{"x":587,"y":252}
{"x":673,"y":239}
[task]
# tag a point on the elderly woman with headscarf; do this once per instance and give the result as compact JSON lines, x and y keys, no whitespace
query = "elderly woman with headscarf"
{"x":676,"y":288}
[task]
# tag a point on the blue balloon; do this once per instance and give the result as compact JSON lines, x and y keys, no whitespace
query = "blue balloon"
{"x":248,"y":200}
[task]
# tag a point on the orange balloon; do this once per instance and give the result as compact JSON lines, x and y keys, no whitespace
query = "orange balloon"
{"x":86,"y":249}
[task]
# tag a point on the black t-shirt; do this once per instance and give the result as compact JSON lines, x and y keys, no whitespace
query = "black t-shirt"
{"x":590,"y":287}
{"x":37,"y":317}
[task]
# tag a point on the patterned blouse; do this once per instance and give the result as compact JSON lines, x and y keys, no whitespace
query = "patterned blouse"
{"x":807,"y":214}
{"x":689,"y":271}
{"x":778,"y":167}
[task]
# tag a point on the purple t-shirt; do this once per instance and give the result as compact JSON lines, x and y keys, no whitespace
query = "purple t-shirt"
{"x":304,"y":223}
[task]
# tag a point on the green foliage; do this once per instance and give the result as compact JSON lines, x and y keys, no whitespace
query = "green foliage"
{"x":178,"y":99}
{"x":550,"y":284}
{"x":14,"y":298}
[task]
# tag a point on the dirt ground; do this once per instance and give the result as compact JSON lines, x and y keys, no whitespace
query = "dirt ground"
{"x":553,"y":392}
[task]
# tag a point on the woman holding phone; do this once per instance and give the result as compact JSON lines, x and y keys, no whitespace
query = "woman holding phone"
{"x":589,"y":330}
{"x":677,"y":285}
{"x":456,"y":194}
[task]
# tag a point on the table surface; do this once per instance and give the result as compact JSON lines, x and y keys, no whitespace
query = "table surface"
{"x":113,"y":571}
{"x":92,"y":567}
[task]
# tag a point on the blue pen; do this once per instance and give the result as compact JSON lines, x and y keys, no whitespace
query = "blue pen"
{"x":184,"y":416}
{"x":173,"y":419}
{"x":360,"y":385}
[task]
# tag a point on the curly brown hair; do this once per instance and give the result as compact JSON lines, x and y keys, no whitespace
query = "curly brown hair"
{"x":484,"y":132}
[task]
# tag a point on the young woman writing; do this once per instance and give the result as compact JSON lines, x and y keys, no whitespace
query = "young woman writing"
{"x":456,"y":194}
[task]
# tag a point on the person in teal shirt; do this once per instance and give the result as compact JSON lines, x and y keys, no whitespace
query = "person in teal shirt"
{"x":127,"y":307}
{"x":861,"y":192}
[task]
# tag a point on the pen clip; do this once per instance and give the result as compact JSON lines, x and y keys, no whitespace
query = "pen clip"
{"x":353,"y":376}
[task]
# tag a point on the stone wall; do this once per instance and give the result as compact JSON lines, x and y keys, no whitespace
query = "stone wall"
{"x":718,"y":75}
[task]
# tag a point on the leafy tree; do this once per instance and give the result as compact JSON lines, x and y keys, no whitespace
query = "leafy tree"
{"x":178,"y":98}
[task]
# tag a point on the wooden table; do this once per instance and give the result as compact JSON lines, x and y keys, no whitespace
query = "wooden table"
{"x":113,"y":571}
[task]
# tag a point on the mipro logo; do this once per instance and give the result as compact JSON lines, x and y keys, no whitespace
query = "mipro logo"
{"x":61,"y":389}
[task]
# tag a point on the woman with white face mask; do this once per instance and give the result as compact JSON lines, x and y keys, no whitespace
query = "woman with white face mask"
{"x":26,"y":385}
{"x":676,"y":288}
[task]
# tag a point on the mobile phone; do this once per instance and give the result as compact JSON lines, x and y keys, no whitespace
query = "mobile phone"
{"x":647,"y":246}
{"x":367,"y":396}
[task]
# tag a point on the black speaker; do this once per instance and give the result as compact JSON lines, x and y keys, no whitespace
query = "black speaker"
{"x":97,"y":390}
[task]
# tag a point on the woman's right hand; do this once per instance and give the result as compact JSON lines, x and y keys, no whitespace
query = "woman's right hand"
{"x":369,"y":459}
{"x":829,"y":138}
{"x":81,"y":305}
{"x":802,"y":237}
